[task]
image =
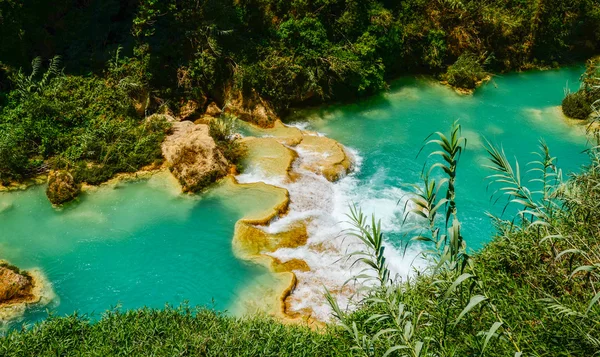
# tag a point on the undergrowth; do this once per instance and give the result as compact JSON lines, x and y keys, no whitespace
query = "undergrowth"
{"x":170,"y":332}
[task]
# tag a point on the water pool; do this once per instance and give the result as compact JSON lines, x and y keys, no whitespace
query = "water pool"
{"x":144,"y":244}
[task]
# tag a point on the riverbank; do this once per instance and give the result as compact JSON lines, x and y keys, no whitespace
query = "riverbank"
{"x":509,"y":281}
{"x":302,"y":239}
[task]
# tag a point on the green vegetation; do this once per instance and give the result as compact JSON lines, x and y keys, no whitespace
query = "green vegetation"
{"x":223,"y":130}
{"x":465,"y":73}
{"x":169,"y":332}
{"x":580,"y":105}
{"x":532,"y":291}
{"x":576,"y":106}
{"x":165,"y":56}
{"x":85,"y":124}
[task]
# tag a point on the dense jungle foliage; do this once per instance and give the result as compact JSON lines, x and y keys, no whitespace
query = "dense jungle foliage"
{"x":290,"y":52}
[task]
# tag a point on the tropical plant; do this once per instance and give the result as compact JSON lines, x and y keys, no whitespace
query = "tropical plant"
{"x":26,"y":85}
{"x":560,"y":220}
{"x":223,"y":131}
{"x":454,"y":288}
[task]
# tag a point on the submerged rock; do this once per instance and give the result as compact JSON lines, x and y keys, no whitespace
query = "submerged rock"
{"x":61,"y":187}
{"x":193,"y":156}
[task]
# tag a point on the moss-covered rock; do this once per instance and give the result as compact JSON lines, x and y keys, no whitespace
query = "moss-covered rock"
{"x":61,"y":187}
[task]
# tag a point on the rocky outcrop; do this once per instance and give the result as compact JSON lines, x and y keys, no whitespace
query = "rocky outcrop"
{"x":19,"y":289}
{"x":213,"y":110}
{"x":251,"y":108}
{"x":193,"y":156}
{"x":14,"y":284}
{"x":190,"y":108}
{"x":61,"y":187}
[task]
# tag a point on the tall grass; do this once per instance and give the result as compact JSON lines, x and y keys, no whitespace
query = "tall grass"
{"x":532,"y":290}
{"x":171,"y":332}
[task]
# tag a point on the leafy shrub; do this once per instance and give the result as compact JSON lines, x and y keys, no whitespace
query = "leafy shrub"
{"x":80,"y":123}
{"x":576,"y":105}
{"x":223,"y":131}
{"x":579,"y":105}
{"x":466,"y":72}
{"x":15,"y":155}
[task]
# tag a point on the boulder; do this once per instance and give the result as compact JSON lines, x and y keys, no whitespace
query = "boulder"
{"x":251,"y":108}
{"x":188,"y":109}
{"x":13,"y":284}
{"x":61,"y":187}
{"x":213,"y":110}
{"x":193,"y":156}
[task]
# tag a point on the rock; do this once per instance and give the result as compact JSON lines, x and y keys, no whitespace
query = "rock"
{"x":140,"y":103}
{"x":251,"y":108}
{"x":19,"y":289}
{"x":204,"y":119}
{"x":326,"y":157}
{"x":61,"y":187}
{"x":291,"y":265}
{"x":193,"y":156}
{"x":188,"y":109}
{"x":213,"y":110}
{"x":13,"y":284}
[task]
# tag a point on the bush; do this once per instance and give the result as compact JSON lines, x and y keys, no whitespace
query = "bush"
{"x":466,"y":72}
{"x":222,"y":131}
{"x":84,"y":124}
{"x":576,"y":105}
{"x":15,"y":163}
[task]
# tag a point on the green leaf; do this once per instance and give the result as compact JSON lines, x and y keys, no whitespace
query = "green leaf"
{"x":490,"y":333}
{"x":593,"y":302}
{"x":586,"y":268}
{"x":456,"y":283}
{"x":475,"y":300}
{"x":569,"y":251}
{"x":394,"y":349}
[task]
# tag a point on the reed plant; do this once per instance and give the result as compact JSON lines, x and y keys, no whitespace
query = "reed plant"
{"x":532,"y":290}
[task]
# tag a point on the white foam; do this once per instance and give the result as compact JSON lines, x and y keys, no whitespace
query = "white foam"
{"x":324,"y":206}
{"x":302,"y":125}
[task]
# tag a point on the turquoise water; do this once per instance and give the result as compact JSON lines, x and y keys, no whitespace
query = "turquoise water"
{"x":515,"y":110}
{"x":144,"y":244}
{"x":139,"y":244}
